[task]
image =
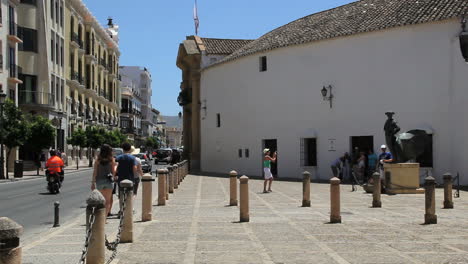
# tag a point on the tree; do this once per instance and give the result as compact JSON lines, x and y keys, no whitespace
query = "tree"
{"x":95,"y":137}
{"x":41,"y":134}
{"x":78,"y":139}
{"x":152,"y":143}
{"x":15,"y":130}
{"x":114,"y":138}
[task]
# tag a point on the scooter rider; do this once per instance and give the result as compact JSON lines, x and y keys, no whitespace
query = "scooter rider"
{"x":55,"y":165}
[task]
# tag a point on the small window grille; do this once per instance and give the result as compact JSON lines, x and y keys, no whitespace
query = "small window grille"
{"x":247,"y":153}
{"x":308,"y":152}
{"x":218,"y":120}
{"x":240,"y":153}
{"x":263,"y":63}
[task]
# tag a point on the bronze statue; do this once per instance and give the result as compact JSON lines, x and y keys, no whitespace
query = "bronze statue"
{"x":407,"y":146}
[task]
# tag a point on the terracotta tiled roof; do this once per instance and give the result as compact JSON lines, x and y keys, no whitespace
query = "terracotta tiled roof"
{"x":224,"y":46}
{"x":357,"y":17}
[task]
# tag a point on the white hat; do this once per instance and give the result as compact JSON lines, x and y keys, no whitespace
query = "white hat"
{"x":134,"y":151}
{"x":383,"y":147}
{"x":266,"y":150}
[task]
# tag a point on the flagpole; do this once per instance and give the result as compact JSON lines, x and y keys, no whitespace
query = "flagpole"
{"x":195,"y":17}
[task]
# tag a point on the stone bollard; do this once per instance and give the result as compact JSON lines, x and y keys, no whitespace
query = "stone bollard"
{"x":147,"y":195}
{"x":162,"y":186}
{"x":430,"y":217}
{"x":169,"y":172}
{"x":233,"y":188}
{"x":172,"y":173}
{"x":376,"y":194}
{"x":306,"y":189}
{"x":126,"y":187}
{"x":335,"y":215}
{"x":448,"y":200}
{"x":244,"y":199}
{"x":10,"y":249}
{"x":56,"y":214}
{"x":97,"y":241}
{"x":176,"y":177}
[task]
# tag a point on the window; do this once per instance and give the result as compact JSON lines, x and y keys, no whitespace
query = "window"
{"x":52,"y":12}
{"x":61,"y":54}
{"x":263,"y":63}
{"x":57,"y":10}
{"x":247,"y":153}
{"x":61,"y":15}
{"x":29,"y":2}
{"x":29,"y":37}
{"x":52,"y":47}
{"x":11,"y":94}
{"x":29,"y":82}
{"x":309,"y":152}
{"x":426,"y":159}
{"x":240,"y":153}
{"x":57,"y":50}
{"x":218,"y":120}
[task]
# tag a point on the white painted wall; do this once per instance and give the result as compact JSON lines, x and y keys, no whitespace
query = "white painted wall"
{"x":416,"y":71}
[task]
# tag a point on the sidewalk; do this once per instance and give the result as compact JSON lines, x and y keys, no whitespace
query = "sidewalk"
{"x":196,"y":226}
{"x":30,"y":175}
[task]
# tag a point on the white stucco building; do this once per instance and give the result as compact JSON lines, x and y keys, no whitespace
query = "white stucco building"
{"x":376,"y":55}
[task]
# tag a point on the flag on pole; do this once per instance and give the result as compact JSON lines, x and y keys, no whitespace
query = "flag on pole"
{"x":195,"y":17}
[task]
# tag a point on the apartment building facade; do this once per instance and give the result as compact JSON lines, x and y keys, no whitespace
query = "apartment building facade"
{"x":92,"y":84}
{"x":136,"y":114}
{"x":10,"y":41}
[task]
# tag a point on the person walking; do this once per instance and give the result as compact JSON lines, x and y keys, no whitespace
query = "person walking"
{"x":104,"y":175}
{"x":371,"y":163}
{"x":42,"y":160}
{"x":384,"y":157}
{"x":267,"y":159}
{"x":336,"y":166}
{"x":126,"y":168}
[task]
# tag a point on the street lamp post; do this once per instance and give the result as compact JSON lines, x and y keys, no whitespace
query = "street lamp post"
{"x":2,"y":158}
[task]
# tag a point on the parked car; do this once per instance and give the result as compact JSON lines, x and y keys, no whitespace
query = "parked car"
{"x":163,"y":155}
{"x":175,"y":157}
{"x":145,"y":163}
{"x":117,"y":151}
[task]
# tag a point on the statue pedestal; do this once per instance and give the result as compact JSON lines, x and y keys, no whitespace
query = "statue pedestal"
{"x":402,"y":178}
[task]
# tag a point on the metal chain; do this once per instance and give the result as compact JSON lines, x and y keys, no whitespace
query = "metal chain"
{"x":92,"y":218}
{"x":112,"y":246}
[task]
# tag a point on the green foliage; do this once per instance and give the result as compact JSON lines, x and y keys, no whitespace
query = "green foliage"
{"x":95,"y":137}
{"x":42,"y":133}
{"x":78,"y":138}
{"x":152,"y":143}
{"x":114,"y":138}
{"x":15,"y":130}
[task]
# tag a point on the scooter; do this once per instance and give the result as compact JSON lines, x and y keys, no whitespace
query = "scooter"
{"x":53,"y":182}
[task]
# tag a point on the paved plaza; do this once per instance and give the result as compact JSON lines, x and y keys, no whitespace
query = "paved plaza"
{"x":197,"y":226}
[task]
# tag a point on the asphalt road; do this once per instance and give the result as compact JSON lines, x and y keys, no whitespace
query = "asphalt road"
{"x":30,"y":204}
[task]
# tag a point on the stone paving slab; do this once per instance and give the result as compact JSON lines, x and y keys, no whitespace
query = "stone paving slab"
{"x":197,"y":226}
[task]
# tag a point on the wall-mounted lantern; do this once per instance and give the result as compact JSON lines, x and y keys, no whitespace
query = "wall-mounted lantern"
{"x":464,"y":39}
{"x":326,"y":96}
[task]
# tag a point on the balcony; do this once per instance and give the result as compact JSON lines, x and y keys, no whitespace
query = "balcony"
{"x":13,"y":33}
{"x":76,"y":41}
{"x":102,"y":62}
{"x":13,"y":75}
{"x":33,"y":98}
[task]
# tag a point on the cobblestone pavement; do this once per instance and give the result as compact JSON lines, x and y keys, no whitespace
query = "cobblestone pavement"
{"x":197,"y":226}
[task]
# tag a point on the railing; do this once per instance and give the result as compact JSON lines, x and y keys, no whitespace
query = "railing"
{"x":76,"y":38}
{"x":13,"y":29}
{"x":103,"y":62}
{"x":14,"y":70}
{"x":35,"y":98}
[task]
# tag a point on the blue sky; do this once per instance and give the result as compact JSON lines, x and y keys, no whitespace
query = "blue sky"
{"x":151,"y":30}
